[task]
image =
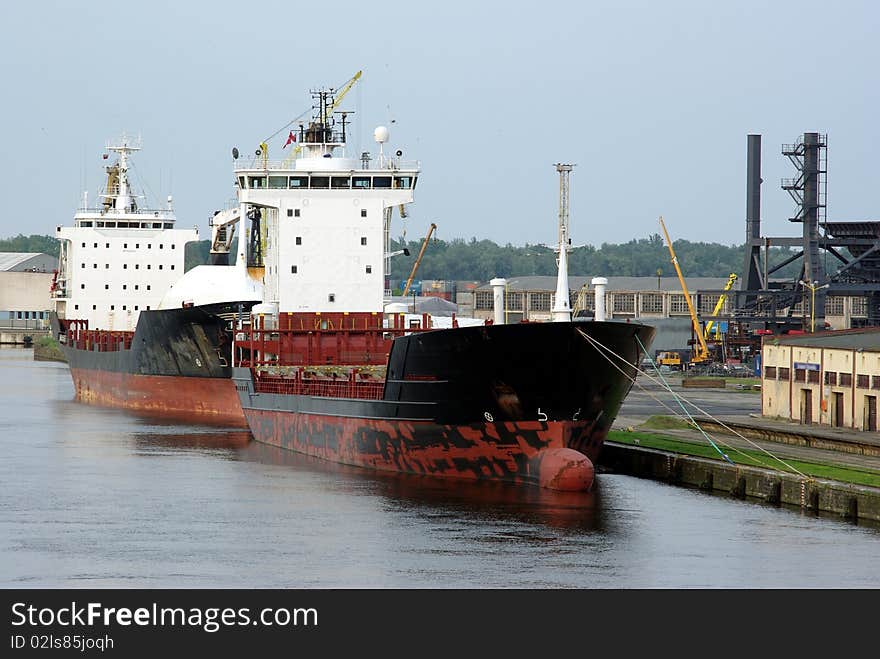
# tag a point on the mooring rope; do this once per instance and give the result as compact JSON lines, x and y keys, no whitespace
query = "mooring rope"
{"x":602,"y":349}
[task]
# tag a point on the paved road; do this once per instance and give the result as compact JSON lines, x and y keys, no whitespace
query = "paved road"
{"x":647,"y":398}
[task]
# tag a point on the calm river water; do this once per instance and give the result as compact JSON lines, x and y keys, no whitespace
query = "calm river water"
{"x":92,"y":497}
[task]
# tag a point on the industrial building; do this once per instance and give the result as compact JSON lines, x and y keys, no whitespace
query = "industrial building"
{"x":659,"y":302}
{"x":25,"y":280}
{"x":828,"y":378}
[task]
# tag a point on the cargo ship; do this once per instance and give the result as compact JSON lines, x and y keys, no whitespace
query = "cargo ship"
{"x":136,"y":331}
{"x":324,"y":370}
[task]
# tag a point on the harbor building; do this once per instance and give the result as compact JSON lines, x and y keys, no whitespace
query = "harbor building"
{"x":828,"y":378}
{"x":25,"y":283}
{"x":659,"y":302}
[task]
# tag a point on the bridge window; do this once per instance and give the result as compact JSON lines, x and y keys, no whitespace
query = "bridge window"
{"x":320,"y":182}
{"x":85,"y":224}
{"x":277,"y":182}
{"x":241,"y":182}
{"x":381,"y":181}
{"x":340,"y":182}
{"x":299,"y":181}
{"x":404,"y":182}
{"x":257,"y":181}
{"x":362,"y":182}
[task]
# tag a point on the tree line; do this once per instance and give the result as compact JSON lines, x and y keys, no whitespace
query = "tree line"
{"x":481,"y":260}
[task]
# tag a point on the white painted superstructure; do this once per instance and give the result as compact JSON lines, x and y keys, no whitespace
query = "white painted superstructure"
{"x":320,"y":220}
{"x":118,"y":259}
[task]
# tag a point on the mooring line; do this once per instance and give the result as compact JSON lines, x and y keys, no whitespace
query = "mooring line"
{"x":602,"y":349}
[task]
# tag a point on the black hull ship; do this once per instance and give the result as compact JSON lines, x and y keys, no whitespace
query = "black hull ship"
{"x":175,"y":364}
{"x":529,"y":403}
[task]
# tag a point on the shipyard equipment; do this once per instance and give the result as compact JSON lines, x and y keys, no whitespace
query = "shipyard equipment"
{"x":418,"y":259}
{"x":701,"y":350}
{"x":836,"y":259}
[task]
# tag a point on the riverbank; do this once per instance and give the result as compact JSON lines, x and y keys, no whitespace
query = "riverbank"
{"x":46,"y":349}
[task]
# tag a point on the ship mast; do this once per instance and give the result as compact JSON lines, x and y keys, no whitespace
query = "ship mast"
{"x":118,"y":194}
{"x":562,"y":306}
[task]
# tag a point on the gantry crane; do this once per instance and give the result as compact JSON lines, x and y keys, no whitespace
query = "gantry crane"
{"x":701,"y":352}
{"x":418,"y":259}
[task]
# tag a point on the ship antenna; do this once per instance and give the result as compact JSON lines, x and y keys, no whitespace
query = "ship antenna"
{"x":562,"y":306}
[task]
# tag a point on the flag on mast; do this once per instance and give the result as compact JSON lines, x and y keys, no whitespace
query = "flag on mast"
{"x":290,"y":138}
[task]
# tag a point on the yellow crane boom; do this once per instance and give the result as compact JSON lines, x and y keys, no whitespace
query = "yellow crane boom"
{"x":418,"y":259}
{"x":702,"y":353}
{"x":730,"y":281}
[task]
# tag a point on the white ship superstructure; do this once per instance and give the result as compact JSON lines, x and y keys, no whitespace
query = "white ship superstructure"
{"x":320,"y":221}
{"x":118,"y":259}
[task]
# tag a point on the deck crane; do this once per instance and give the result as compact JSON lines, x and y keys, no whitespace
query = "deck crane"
{"x":325,"y":118}
{"x":418,"y":259}
{"x":222,"y":232}
{"x":701,"y":353}
{"x":730,"y":281}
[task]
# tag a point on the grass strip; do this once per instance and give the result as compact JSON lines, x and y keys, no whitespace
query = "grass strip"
{"x":746,"y":457}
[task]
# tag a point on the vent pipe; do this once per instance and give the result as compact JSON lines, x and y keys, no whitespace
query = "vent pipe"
{"x":498,"y":285}
{"x":599,"y":283}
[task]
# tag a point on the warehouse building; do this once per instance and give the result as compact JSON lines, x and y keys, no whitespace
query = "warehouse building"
{"x":25,"y":280}
{"x":830,"y":378}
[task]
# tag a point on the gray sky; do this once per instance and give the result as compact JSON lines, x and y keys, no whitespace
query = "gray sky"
{"x":651,"y":100}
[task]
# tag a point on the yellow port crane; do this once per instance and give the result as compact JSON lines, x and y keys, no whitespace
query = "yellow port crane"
{"x":418,"y":259}
{"x":730,"y":281}
{"x":701,"y":352}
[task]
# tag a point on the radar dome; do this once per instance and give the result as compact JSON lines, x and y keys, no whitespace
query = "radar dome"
{"x":380,"y":134}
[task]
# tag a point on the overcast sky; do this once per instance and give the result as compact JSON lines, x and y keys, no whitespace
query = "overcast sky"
{"x":651,"y":100}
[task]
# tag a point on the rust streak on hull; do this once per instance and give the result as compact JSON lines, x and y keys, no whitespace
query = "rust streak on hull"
{"x":508,"y":451}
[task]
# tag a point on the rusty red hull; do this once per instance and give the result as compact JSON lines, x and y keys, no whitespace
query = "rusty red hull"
{"x":175,"y":364}
{"x":192,"y":399}
{"x":523,"y":452}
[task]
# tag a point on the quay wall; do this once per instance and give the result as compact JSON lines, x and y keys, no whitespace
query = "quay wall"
{"x":816,"y":495}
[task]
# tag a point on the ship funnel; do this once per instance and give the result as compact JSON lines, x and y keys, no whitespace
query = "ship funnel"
{"x":599,"y":283}
{"x":498,"y":285}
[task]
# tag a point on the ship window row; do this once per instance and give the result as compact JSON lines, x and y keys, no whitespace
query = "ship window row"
{"x":299,"y":241}
{"x":295,"y":212}
{"x":137,"y":266}
{"x":113,"y":307}
{"x":103,"y":224}
{"x":27,"y":315}
{"x":294,"y":269}
{"x":136,"y":245}
{"x":124,"y":287}
{"x":328,"y":182}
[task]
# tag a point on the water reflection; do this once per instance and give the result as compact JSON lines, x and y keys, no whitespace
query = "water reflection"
{"x":459,"y":499}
